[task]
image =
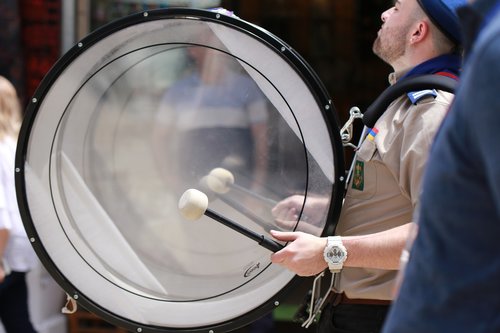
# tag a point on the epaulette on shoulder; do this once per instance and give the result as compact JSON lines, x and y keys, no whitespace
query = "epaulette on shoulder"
{"x":416,"y":96}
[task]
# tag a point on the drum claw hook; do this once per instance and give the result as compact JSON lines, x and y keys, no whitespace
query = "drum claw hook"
{"x":71,"y":306}
{"x":346,"y":130}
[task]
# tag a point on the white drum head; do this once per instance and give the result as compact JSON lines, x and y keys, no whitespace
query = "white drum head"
{"x":144,"y":109}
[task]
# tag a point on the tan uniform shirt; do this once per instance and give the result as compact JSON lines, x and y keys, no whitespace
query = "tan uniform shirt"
{"x":385,"y":185}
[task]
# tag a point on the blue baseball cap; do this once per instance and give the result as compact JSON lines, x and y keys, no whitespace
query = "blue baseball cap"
{"x":443,"y":14}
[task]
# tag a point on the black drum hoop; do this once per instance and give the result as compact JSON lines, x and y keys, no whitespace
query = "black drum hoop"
{"x":273,"y":42}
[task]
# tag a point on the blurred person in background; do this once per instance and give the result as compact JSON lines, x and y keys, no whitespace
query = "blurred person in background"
{"x":16,"y":254}
{"x":213,"y":116}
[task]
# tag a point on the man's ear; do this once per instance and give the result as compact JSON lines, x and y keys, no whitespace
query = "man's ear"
{"x":419,"y":32}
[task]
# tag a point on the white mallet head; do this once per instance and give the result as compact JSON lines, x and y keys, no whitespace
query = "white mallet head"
{"x":193,"y":204}
{"x":220,"y":180}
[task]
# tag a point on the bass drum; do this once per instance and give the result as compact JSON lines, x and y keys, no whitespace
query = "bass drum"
{"x":142,"y":110}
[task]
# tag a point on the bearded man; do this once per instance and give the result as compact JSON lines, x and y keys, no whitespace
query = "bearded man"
{"x":417,"y":37}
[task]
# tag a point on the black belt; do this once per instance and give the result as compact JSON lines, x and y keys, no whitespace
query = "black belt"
{"x":343,"y":299}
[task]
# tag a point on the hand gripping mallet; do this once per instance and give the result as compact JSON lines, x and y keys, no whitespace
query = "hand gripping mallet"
{"x":193,"y":204}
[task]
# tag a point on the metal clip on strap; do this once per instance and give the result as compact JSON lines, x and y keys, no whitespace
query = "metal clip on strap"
{"x":346,"y":130}
{"x":316,"y":305}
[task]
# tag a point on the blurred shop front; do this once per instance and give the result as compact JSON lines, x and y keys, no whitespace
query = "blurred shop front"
{"x":334,"y":36}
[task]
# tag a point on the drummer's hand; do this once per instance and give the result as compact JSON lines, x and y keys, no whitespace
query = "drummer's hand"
{"x":287,"y":210}
{"x":303,"y":255}
{"x":2,"y":273}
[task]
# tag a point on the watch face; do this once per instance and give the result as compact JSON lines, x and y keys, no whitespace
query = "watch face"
{"x":335,"y":254}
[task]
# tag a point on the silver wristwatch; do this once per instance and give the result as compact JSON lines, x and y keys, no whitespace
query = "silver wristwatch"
{"x":335,"y":253}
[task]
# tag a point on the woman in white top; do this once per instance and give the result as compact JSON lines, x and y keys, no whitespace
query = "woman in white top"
{"x":16,"y":254}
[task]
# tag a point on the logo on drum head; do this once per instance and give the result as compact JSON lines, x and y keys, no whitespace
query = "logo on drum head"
{"x":252,"y":269}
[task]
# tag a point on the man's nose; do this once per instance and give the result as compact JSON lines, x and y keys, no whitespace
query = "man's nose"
{"x":385,"y":15}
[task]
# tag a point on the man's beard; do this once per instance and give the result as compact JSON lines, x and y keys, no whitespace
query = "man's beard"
{"x":390,"y":45}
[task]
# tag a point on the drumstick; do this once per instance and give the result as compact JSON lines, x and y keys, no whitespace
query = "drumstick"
{"x":234,"y":204}
{"x":193,"y":204}
{"x":221,"y":180}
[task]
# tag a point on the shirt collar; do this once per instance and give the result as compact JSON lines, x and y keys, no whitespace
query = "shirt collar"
{"x":449,"y":63}
{"x":395,"y":76}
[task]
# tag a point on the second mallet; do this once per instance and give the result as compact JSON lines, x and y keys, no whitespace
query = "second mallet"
{"x":193,"y":204}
